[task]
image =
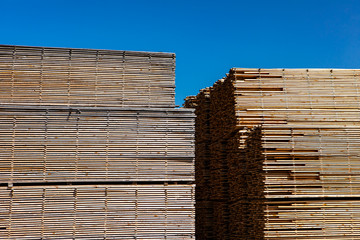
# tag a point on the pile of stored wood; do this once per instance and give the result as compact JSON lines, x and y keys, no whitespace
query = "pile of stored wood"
{"x":296,"y":177}
{"x":98,"y":158}
{"x":57,"y":144}
{"x":204,"y":205}
{"x":86,"y":77}
{"x":98,"y":212}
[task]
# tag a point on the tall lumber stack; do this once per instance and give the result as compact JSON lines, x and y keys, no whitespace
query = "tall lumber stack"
{"x":204,"y":205}
{"x":92,"y":146}
{"x":297,"y":176}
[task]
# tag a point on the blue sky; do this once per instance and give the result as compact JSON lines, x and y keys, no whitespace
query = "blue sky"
{"x":208,"y":37}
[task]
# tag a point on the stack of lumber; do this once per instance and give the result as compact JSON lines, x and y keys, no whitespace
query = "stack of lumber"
{"x":57,"y":144}
{"x":97,"y":212}
{"x":86,"y":77}
{"x":92,"y":146}
{"x":296,"y":177}
{"x":204,"y":205}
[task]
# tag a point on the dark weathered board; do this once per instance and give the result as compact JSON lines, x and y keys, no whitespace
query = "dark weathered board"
{"x":40,"y":144}
{"x":86,"y":77}
{"x":97,"y":212}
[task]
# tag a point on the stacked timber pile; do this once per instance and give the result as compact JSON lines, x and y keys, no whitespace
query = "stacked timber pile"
{"x":116,"y":144}
{"x":112,"y":211}
{"x":227,"y":178}
{"x":86,"y":77}
{"x":106,"y":162}
{"x":296,"y":177}
{"x":204,"y":205}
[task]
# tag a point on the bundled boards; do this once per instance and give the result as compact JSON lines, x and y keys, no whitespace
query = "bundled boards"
{"x":92,"y":146}
{"x":137,"y":211}
{"x":86,"y":77}
{"x":295,"y":177}
{"x":56,"y":144}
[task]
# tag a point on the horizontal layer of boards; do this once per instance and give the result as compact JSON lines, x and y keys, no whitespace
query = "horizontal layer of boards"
{"x":313,"y":219}
{"x":86,"y":77}
{"x":57,"y":144}
{"x":97,"y":212}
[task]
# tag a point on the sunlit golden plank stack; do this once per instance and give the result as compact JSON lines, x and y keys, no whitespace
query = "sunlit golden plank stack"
{"x":92,"y":146}
{"x":110,"y":211}
{"x":305,"y":184}
{"x":87,"y":144}
{"x":86,"y":77}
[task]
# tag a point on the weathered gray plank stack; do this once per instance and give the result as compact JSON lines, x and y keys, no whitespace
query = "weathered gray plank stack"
{"x":92,"y":146}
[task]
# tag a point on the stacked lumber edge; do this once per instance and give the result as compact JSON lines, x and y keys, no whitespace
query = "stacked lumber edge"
{"x":277,"y":155}
{"x":92,"y":146}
